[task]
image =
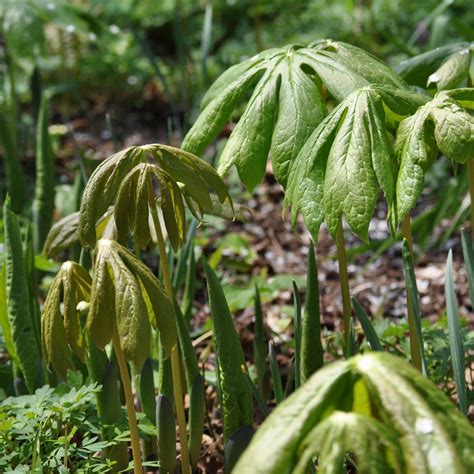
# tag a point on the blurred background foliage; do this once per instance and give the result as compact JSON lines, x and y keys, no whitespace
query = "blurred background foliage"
{"x":171,"y":50}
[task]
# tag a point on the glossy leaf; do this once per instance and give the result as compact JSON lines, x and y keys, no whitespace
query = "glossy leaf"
{"x":277,"y":118}
{"x":418,"y":427}
{"x":345,"y":161}
{"x":440,"y":124}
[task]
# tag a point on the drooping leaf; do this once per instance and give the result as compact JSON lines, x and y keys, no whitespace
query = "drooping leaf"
{"x":61,"y":327}
{"x":418,"y":426}
{"x":117,"y":299}
{"x":345,"y":161}
{"x":278,"y":117}
{"x":18,"y":299}
{"x":416,"y":70}
{"x":62,"y":235}
{"x":452,"y":72}
{"x":127,"y":178}
{"x":234,"y":392}
{"x":439,"y":124}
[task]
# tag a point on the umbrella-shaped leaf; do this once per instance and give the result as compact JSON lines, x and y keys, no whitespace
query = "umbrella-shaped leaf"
{"x":345,"y":161}
{"x":419,"y":428}
{"x":126,"y":179}
{"x":286,"y":104}
{"x":440,"y":124}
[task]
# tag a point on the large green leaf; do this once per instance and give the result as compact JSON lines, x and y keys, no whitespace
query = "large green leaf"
{"x":442,"y":124}
{"x":285,"y":106}
{"x":18,"y":300}
{"x":345,"y":161}
{"x":418,"y":427}
{"x":62,"y":235}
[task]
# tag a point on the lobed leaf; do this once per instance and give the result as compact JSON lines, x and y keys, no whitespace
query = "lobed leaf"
{"x":439,"y":124}
{"x":62,"y":235}
{"x":392,"y":412}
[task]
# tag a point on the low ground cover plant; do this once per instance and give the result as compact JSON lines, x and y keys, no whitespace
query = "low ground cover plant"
{"x":105,"y":365}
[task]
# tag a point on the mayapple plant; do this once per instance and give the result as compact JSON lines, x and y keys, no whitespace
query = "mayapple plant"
{"x":373,"y":411}
{"x":331,"y":165}
{"x":123,"y":297}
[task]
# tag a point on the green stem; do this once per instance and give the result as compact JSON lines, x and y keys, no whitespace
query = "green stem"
{"x":127,"y":387}
{"x":470,"y":174}
{"x":415,"y":350}
{"x":175,"y":358}
{"x":344,"y":283}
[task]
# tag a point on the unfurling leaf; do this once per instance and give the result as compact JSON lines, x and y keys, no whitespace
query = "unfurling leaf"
{"x":126,"y":293}
{"x":278,"y":118}
{"x":61,"y":326}
{"x":440,"y":124}
{"x":62,"y":235}
{"x":395,"y":420}
{"x":126,"y":179}
{"x":345,"y":161}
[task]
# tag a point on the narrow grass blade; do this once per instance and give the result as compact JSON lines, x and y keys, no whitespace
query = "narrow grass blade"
{"x":413,"y":297}
{"x":276,"y":377}
{"x":369,"y":331}
{"x":455,"y":336}
{"x":183,"y":258}
{"x":312,"y":354}
{"x":189,"y":286}
{"x":351,"y":347}
{"x":43,"y":204}
{"x":297,"y":325}
{"x":18,"y":300}
{"x":259,"y":345}
{"x":468,"y":262}
{"x":235,"y":395}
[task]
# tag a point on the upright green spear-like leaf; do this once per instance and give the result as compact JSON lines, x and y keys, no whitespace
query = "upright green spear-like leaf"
{"x":259,"y":344}
{"x":456,"y":346}
{"x":312,"y":354}
{"x":43,"y":204}
{"x":148,"y":403}
{"x":18,"y":300}
{"x":468,"y":255}
{"x":234,"y":392}
{"x":15,"y":180}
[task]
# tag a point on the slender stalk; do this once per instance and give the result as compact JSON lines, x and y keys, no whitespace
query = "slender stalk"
{"x":470,"y":175}
{"x":344,"y":283}
{"x":127,"y":387}
{"x":415,"y":351}
{"x":175,"y":358}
